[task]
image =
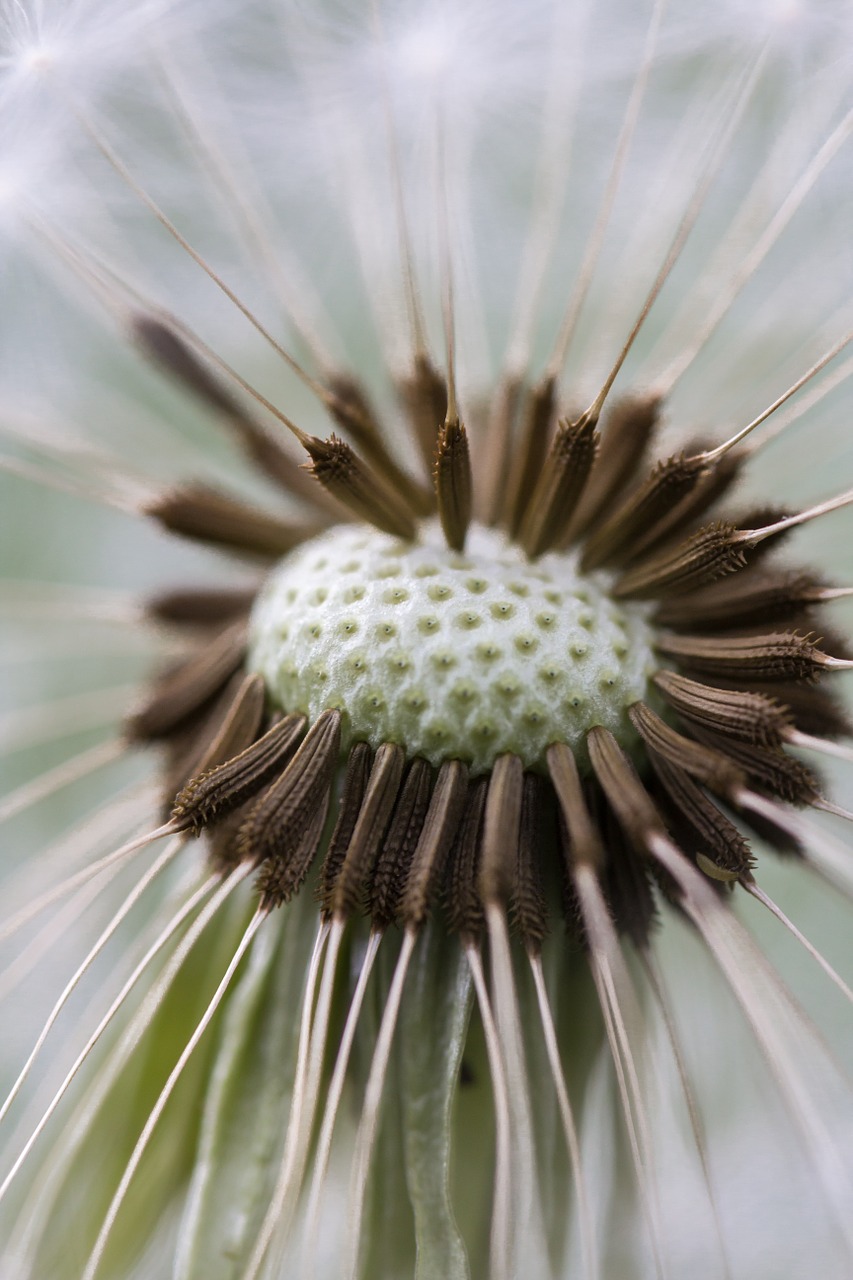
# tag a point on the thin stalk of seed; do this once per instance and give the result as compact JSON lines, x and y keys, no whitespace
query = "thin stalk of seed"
{"x":167,"y":348}
{"x":199,"y":606}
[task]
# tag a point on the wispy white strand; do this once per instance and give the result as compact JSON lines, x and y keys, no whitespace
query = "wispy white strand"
{"x":330,"y":1110}
{"x":134,"y":846}
{"x":741,"y":963}
{"x":164,"y":935}
{"x":697,"y":1127}
{"x":48,"y":937}
{"x":159,"y":865}
{"x":281,"y":1199}
{"x":764,"y":898}
{"x":617,"y":1001}
{"x":369,"y":1122}
{"x":94,"y":1261}
{"x":589,"y":1247}
{"x":502,"y":1237}
{"x":527,"y":1202}
{"x":63,"y":775}
{"x":101,"y":1085}
{"x":72,"y":713}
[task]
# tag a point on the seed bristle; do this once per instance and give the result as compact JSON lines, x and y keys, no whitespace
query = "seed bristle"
{"x":559,"y":487}
{"x":463,"y":902}
{"x":343,"y":475}
{"x":530,"y":450}
{"x":205,"y":515}
{"x":710,"y":553}
{"x":452,"y":474}
{"x":423,"y":392}
{"x":433,"y":847}
{"x":670,"y":481}
{"x":374,"y":815}
{"x":215,"y":793}
{"x":278,"y":820}
{"x":186,"y":688}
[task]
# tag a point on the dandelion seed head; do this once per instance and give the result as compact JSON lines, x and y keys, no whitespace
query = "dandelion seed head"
{"x":562,"y":705}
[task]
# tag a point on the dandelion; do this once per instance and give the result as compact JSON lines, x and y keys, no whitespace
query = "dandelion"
{"x":446,"y":374}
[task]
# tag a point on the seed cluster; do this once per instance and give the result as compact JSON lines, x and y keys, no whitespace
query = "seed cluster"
{"x":467,"y":656}
{"x":564,"y":688}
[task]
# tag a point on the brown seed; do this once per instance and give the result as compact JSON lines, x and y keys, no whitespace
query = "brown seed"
{"x":278,"y":820}
{"x":358,"y":768}
{"x":528,"y":907}
{"x":559,"y":487}
{"x":216,"y":792}
{"x":783,"y":655}
{"x":625,"y":435}
{"x":351,"y":409}
{"x":529,"y":454}
{"x":501,"y":824}
{"x":185,"y":689}
{"x":205,"y":515}
{"x":343,"y":474}
{"x":424,"y":395}
{"x":462,"y":893}
{"x":436,"y":839}
{"x":374,"y":815}
{"x":710,"y":553}
{"x":452,"y":474}
{"x":163,"y":345}
{"x":669,"y":483}
{"x":718,"y":838}
{"x":397,"y":849}
{"x":752,"y":717}
{"x":200,"y":606}
{"x":712,"y":767}
{"x":745,"y":600}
